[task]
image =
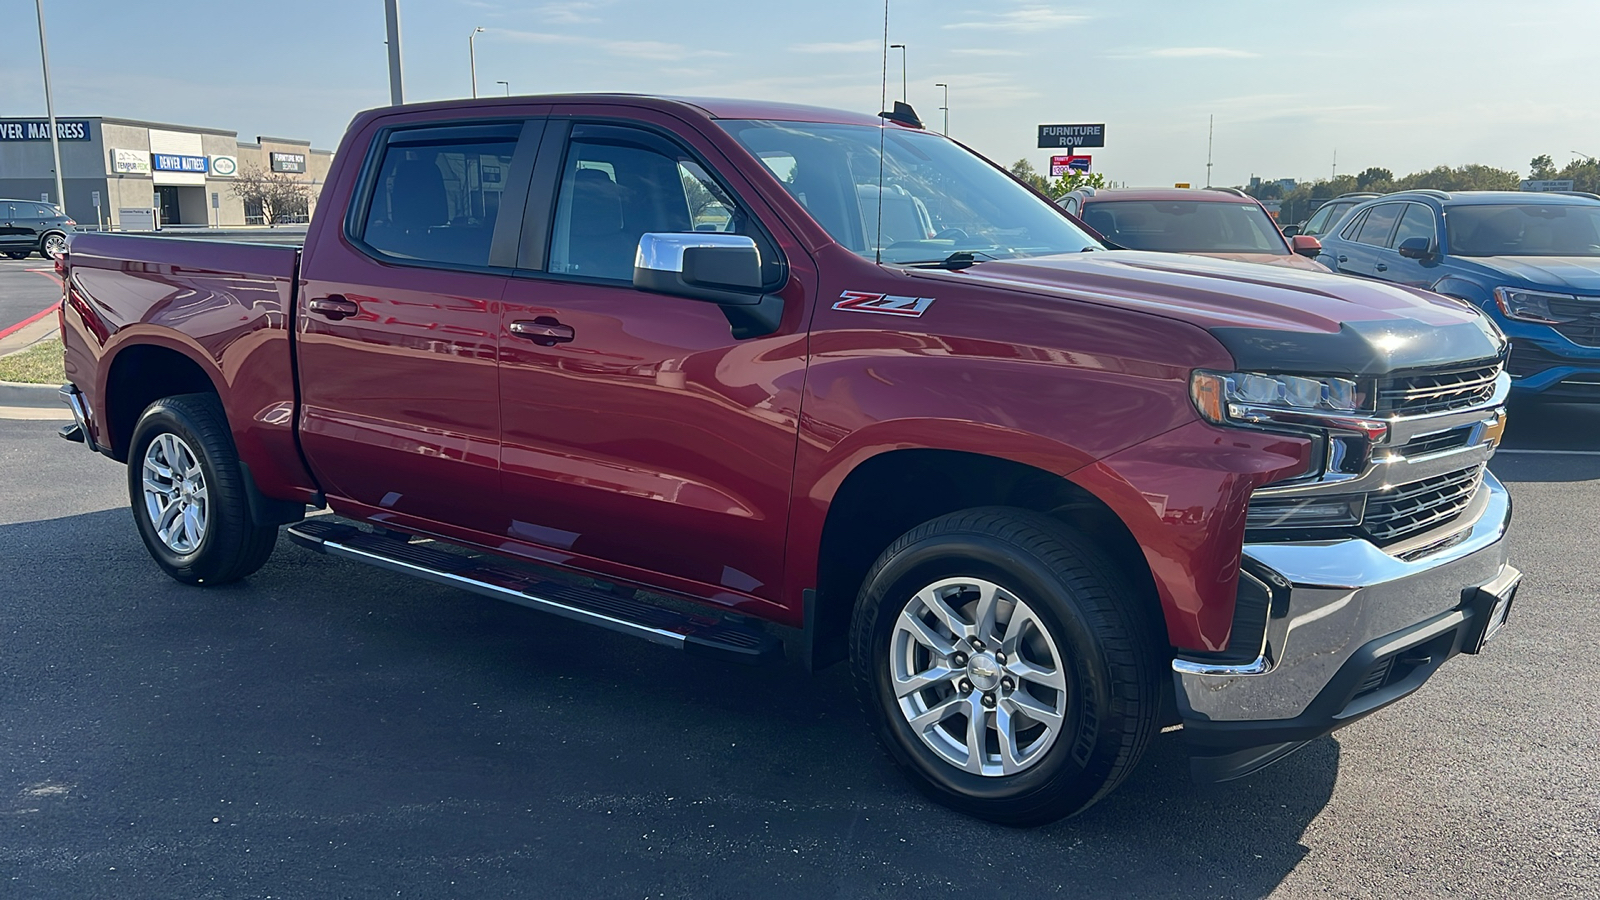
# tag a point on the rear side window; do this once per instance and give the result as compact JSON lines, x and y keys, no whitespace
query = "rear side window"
{"x":1349,"y":232}
{"x":43,"y":212}
{"x":1417,"y":222}
{"x":436,"y":193}
{"x":1380,"y":224}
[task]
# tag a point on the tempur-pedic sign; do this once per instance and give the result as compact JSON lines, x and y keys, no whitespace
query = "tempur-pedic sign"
{"x":130,"y":162}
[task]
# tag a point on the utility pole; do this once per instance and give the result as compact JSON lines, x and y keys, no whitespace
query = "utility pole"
{"x":391,"y":10}
{"x":946,"y":107}
{"x":472,"y":52}
{"x":50,"y":107}
{"x":1210,"y":130}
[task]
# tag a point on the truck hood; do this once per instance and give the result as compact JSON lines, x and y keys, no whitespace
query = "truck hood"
{"x":1268,"y":318}
{"x":1574,"y":273}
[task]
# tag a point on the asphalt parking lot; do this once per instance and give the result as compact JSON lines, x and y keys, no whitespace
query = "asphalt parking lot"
{"x":27,"y":287}
{"x":327,"y":730}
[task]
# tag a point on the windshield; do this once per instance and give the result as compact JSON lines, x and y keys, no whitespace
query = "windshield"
{"x":1185,"y":226}
{"x":937,"y":197}
{"x":1523,"y":229}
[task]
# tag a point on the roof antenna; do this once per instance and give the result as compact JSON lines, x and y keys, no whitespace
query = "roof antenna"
{"x":883,"y":100}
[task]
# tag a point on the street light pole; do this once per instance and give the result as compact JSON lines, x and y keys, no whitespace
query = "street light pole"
{"x":508,"y":86}
{"x":946,"y":107}
{"x":50,"y":107}
{"x":472,"y":53}
{"x":391,"y":10}
{"x":902,"y":49}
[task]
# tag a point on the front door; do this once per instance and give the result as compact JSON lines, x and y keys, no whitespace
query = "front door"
{"x":641,"y":437}
{"x":400,"y":415}
{"x":167,"y":201}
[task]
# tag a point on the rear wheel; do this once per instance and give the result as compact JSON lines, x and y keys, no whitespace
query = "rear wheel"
{"x":188,"y":493}
{"x":53,"y":245}
{"x":16,"y":254}
{"x":1006,"y":665}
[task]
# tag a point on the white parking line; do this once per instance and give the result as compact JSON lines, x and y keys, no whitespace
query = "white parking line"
{"x":38,"y":414}
{"x":1504,"y":450}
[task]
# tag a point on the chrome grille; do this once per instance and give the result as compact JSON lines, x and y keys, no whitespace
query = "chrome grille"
{"x":1431,"y":392}
{"x":1437,"y":442}
{"x":1408,"y":509}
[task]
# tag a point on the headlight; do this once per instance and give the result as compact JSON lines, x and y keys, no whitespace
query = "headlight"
{"x":1534,"y":306}
{"x":1253,"y":397}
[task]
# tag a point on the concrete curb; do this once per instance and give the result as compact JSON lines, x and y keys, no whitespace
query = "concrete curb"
{"x":23,"y":338}
{"x":32,"y":396}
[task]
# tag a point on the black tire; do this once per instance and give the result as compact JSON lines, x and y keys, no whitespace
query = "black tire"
{"x":1106,"y":631}
{"x":17,"y":254}
{"x":232,"y":546}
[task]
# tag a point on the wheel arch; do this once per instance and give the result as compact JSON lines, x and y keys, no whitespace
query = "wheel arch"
{"x":889,"y":493}
{"x":140,"y":372}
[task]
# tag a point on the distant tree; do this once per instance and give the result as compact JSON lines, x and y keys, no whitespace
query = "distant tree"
{"x":1055,"y":188}
{"x":1471,"y":177}
{"x":1026,"y":173}
{"x":278,"y":195}
{"x":1542,"y":168}
{"x":1375,"y":179}
{"x":1585,"y":174}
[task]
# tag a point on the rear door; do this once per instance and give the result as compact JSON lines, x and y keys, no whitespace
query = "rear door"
{"x":13,"y":233}
{"x":642,"y":438}
{"x":398,"y":319}
{"x":1358,"y":253}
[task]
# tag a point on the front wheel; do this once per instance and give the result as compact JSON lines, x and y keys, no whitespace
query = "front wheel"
{"x":16,"y":254}
{"x":1006,"y":664}
{"x":188,"y":493}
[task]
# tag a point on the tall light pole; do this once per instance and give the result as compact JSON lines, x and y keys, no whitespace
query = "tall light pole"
{"x":472,"y":53}
{"x":50,"y":107}
{"x":508,"y":86}
{"x":946,"y":107}
{"x":1586,"y":157}
{"x":391,"y":14}
{"x":902,"y":49}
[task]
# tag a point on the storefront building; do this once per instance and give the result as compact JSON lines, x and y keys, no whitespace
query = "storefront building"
{"x":133,"y":175}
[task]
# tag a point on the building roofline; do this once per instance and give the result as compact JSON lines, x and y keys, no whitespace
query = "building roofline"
{"x":164,"y":126}
{"x":262,"y":139}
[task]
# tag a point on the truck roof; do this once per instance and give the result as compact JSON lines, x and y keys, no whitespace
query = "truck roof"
{"x":708,"y":107}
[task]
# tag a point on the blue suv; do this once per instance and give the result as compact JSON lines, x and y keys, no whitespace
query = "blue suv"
{"x":1531,"y":261}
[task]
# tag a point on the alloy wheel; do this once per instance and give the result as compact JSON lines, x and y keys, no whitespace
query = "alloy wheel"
{"x":978,"y":677}
{"x":175,"y":496}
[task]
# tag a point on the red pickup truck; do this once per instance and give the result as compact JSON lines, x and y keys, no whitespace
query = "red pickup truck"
{"x":736,"y":377}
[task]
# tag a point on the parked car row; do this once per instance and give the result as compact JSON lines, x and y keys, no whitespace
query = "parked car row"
{"x":1531,"y":261}
{"x":28,"y":226}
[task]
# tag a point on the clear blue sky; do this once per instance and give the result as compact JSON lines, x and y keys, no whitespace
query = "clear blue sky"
{"x":1403,"y":84}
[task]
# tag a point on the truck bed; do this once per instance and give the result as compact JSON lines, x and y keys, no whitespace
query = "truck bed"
{"x":225,"y":307}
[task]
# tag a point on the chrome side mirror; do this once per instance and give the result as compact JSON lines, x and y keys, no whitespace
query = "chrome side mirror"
{"x":719,"y":268}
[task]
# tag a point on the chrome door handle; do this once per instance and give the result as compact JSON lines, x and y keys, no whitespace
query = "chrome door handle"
{"x":544,"y":331}
{"x":1382,"y":267}
{"x":334,"y":307}
{"x":1343,"y":258}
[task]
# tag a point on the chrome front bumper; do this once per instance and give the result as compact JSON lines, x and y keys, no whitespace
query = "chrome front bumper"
{"x":1333,"y":601}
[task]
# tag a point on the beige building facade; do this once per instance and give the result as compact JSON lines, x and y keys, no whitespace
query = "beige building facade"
{"x":134,"y":175}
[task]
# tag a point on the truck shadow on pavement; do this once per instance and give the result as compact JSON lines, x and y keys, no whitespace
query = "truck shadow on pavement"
{"x":420,"y":737}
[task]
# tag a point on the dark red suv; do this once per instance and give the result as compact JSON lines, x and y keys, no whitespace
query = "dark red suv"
{"x":1221,"y":222}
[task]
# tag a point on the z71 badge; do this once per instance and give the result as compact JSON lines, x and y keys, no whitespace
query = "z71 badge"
{"x":887,"y":304}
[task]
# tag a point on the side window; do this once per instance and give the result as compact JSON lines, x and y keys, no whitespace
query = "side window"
{"x":436,"y":193}
{"x":1380,"y":224}
{"x":43,"y":212}
{"x":1318,"y":222}
{"x":618,"y":183}
{"x":1349,"y":232}
{"x":1417,"y":222}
